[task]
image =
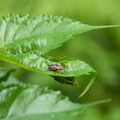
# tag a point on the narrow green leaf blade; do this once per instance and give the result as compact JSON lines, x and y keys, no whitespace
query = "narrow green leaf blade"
{"x":6,"y":76}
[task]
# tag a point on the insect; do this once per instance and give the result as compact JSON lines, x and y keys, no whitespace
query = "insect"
{"x":55,"y":67}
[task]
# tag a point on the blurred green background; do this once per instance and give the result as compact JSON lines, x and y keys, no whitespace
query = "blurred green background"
{"x":99,"y":48}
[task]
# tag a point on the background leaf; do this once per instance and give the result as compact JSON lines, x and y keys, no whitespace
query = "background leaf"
{"x":22,"y":101}
{"x":6,"y":76}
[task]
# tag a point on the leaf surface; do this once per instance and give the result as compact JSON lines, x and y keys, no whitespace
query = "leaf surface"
{"x":23,"y":102}
{"x":25,"y":39}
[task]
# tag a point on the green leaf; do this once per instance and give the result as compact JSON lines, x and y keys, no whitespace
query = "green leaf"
{"x":25,"y":39}
{"x":6,"y":76}
{"x":21,"y":101}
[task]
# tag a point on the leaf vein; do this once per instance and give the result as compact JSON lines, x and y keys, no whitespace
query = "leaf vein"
{"x":18,"y":28}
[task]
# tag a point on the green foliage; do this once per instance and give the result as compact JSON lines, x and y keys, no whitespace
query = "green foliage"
{"x":1,"y":68}
{"x":22,"y":101}
{"x":99,"y":48}
{"x":5,"y":77}
{"x":25,"y":40}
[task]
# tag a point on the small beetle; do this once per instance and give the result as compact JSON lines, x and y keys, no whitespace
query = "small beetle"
{"x":55,"y":67}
